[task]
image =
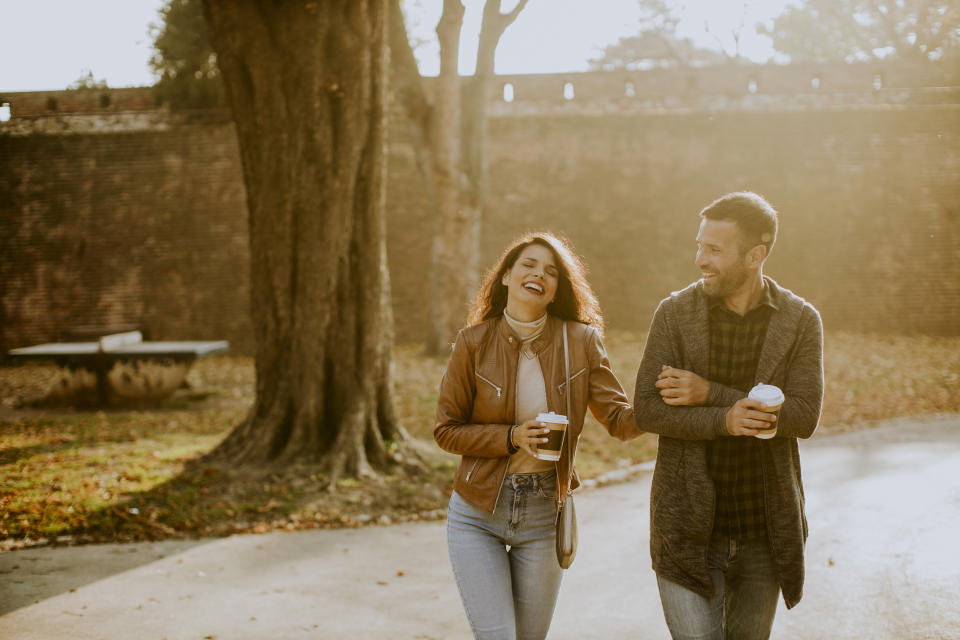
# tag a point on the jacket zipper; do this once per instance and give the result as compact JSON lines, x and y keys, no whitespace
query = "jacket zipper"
{"x":572,"y":378}
{"x":477,"y":461}
{"x":473,"y":468}
{"x":499,"y":389}
{"x":503,"y":478}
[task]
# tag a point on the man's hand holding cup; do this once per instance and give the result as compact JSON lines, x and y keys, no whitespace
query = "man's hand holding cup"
{"x":748,"y":417}
{"x":757,"y":414}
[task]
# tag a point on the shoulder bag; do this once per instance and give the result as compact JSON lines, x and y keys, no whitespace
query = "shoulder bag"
{"x":566,"y":513}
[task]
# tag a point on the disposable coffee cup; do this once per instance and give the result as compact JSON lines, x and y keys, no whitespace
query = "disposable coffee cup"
{"x":550,"y":450}
{"x":771,"y":398}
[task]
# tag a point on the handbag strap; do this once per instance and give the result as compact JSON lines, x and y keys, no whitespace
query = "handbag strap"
{"x":566,"y":433}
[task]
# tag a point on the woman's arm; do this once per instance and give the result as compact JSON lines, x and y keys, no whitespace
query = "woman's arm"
{"x":453,"y":430}
{"x":607,"y":401}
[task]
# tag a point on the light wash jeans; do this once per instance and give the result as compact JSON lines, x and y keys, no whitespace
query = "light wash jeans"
{"x":505,"y":563}
{"x":744,"y":600}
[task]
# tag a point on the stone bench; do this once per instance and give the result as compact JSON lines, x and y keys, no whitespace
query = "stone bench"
{"x":118,"y":368}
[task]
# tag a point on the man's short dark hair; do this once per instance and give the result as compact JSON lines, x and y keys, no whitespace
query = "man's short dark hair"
{"x":755,"y":216}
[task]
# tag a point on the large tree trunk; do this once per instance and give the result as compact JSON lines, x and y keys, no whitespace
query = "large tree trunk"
{"x":307,"y":84}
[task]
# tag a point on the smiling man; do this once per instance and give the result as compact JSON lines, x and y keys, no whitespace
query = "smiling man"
{"x":727,"y":525}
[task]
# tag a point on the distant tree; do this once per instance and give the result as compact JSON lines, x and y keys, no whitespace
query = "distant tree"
{"x":87,"y":81}
{"x":653,"y":49}
{"x":656,"y":43}
{"x":307,"y":83}
{"x":183,"y":60}
{"x":821,"y":30}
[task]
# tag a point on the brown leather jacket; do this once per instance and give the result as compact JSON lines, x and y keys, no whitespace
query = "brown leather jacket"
{"x":477,"y":403}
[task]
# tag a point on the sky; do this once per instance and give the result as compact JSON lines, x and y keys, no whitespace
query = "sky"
{"x":50,"y":44}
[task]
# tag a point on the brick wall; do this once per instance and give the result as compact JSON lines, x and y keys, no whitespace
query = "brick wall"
{"x":869,"y":202}
{"x":145,"y":228}
{"x":41,"y":103}
{"x":143,"y":220}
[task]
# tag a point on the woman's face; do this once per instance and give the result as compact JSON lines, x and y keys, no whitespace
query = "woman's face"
{"x":531,"y":283}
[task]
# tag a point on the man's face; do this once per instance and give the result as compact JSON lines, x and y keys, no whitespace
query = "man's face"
{"x":719,"y":257}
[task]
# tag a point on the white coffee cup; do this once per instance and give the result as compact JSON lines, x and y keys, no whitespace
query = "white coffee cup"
{"x":771,"y":398}
{"x":550,"y":450}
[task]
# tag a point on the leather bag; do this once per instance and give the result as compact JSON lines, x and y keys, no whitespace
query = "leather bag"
{"x":566,"y":513}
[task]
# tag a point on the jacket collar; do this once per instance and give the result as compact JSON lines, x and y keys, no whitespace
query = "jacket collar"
{"x":782,"y":330}
{"x":539,"y":344}
{"x":694,"y":323}
{"x":766,"y":298}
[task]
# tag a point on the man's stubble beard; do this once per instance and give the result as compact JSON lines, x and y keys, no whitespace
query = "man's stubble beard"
{"x":728,"y":282}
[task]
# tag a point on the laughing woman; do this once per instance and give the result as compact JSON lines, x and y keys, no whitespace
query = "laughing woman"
{"x":507,"y":366}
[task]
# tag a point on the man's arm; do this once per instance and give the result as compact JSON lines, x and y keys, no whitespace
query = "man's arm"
{"x":679,"y":388}
{"x":803,"y":384}
{"x":650,"y":411}
{"x":682,"y":388}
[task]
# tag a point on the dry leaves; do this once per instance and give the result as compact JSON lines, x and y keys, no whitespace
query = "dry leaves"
{"x":74,"y":476}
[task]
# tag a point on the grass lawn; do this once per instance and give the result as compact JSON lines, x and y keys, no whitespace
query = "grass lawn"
{"x":73,"y":476}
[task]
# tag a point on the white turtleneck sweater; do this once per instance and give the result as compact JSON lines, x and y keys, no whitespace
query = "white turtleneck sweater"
{"x":531,"y":390}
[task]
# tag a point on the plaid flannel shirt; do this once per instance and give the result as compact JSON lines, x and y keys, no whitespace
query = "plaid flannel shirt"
{"x":734,"y":462}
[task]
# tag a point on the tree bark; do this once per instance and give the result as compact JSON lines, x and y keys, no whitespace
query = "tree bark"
{"x":307,"y":84}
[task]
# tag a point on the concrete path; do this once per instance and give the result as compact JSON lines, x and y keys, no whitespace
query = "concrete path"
{"x":883,"y":562}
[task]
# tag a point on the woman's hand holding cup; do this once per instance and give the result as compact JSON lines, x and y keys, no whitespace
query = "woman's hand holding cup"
{"x":530,"y":434}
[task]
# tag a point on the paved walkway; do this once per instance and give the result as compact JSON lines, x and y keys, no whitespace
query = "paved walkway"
{"x":882,"y":562}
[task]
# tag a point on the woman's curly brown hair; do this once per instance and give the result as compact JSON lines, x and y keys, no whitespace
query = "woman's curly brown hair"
{"x":574,"y":300}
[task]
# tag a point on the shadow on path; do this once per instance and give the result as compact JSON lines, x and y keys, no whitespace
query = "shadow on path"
{"x":30,"y":576}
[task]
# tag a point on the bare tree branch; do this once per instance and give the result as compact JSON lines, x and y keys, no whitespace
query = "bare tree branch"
{"x":512,"y":16}
{"x":406,"y":81}
{"x":495,"y":23}
{"x":712,"y":34}
{"x":410,"y":94}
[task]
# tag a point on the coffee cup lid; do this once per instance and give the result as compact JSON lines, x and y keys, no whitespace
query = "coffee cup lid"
{"x":768,"y":394}
{"x":553,"y":417}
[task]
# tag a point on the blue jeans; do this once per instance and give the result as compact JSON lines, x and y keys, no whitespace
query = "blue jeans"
{"x":744,"y":599}
{"x":505,"y":563}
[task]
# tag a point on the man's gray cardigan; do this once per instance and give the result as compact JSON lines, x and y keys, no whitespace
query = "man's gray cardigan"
{"x":682,"y":496}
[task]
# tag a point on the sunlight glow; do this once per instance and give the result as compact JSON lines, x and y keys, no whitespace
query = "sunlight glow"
{"x":49,"y":44}
{"x":563,"y":35}
{"x":111,"y":38}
